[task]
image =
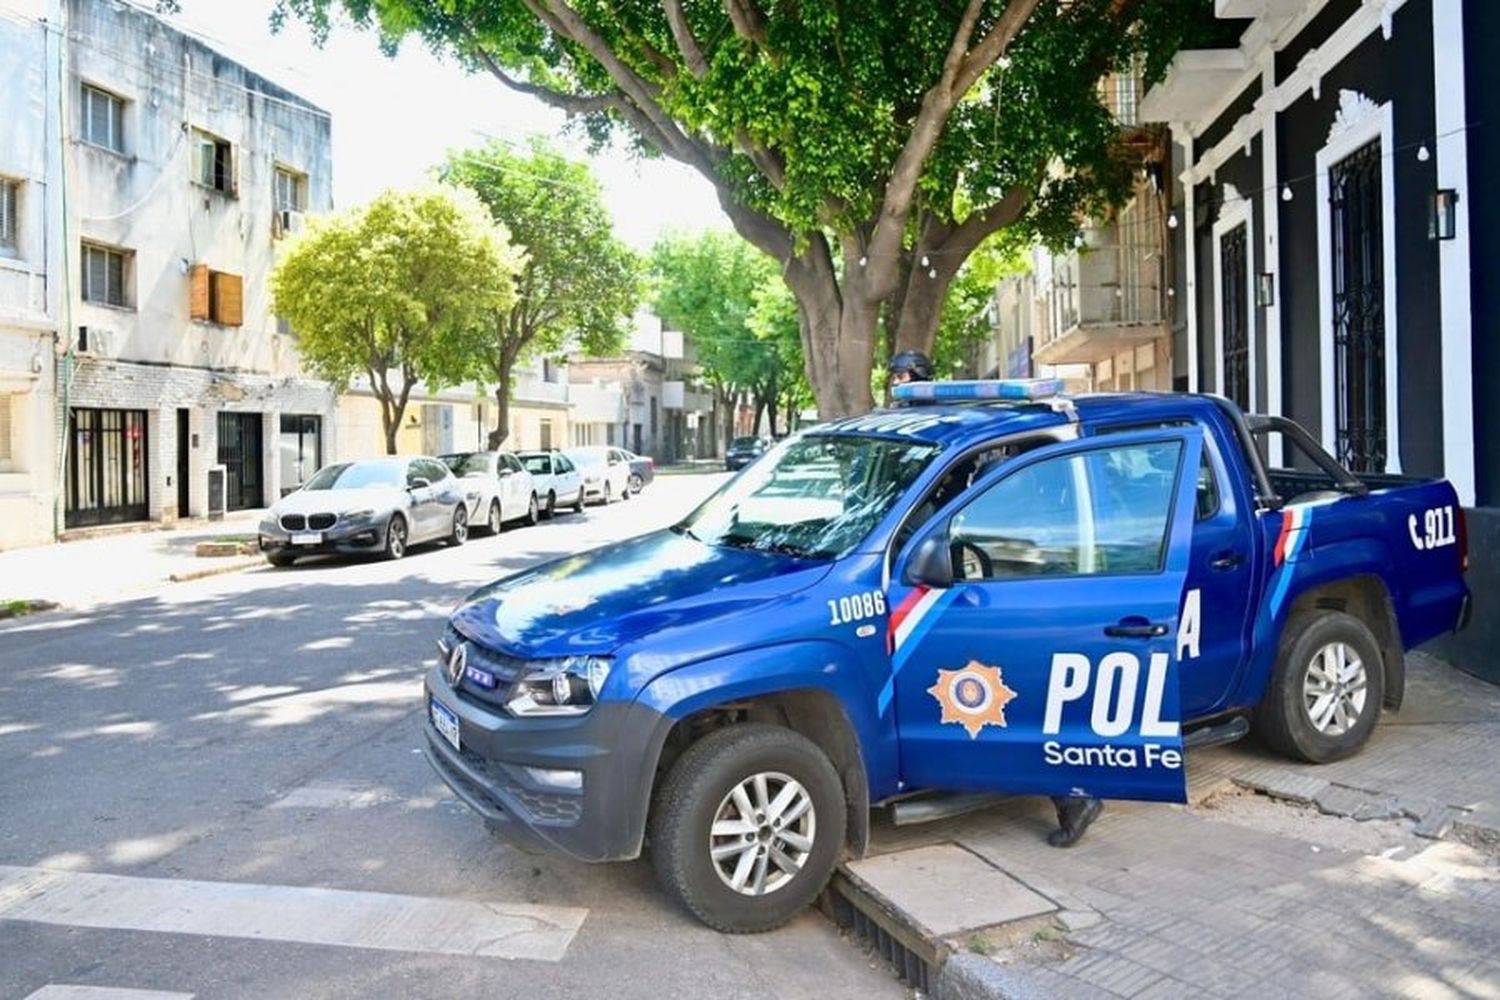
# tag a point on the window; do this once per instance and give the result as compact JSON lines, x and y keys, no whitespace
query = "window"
{"x":10,"y":222}
{"x":105,"y":272}
{"x":103,"y":119}
{"x":7,"y":449}
{"x":216,"y":297}
{"x":290,"y":192}
{"x":213,"y":162}
{"x":1103,"y":511}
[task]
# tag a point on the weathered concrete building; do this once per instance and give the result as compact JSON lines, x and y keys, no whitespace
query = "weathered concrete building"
{"x":166,"y":176}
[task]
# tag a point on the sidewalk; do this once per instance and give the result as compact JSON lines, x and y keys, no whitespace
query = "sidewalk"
{"x":86,"y":571}
{"x":1378,"y":875}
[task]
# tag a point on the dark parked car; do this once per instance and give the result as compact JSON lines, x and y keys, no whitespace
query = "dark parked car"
{"x":742,"y":451}
{"x":642,"y":470}
{"x":379,"y":506}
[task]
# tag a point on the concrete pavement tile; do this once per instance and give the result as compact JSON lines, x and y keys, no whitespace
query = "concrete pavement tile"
{"x":948,"y":890}
{"x":1282,"y":783}
{"x":1339,"y":800}
{"x":1079,"y":920}
{"x":1167,"y":988}
{"x":1117,"y":975}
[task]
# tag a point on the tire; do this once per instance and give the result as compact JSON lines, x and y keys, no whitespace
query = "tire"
{"x":280,"y":560}
{"x":459,"y":533}
{"x":578,"y":504}
{"x":1326,"y":691}
{"x":608,"y":496}
{"x":635,"y":483}
{"x":551,"y":510}
{"x":494,"y":522}
{"x":698,"y":794}
{"x":533,"y":512}
{"x":396,"y":536}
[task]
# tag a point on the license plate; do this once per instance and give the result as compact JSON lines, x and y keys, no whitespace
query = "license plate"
{"x":444,"y":722}
{"x":307,"y":538}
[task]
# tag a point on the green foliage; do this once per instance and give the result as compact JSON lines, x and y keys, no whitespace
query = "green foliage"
{"x":580,"y":285}
{"x":964,"y":326}
{"x":401,"y":286}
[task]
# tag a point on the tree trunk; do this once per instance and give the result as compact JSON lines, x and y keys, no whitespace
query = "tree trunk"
{"x":838,"y":330}
{"x":922,"y":309}
{"x":502,"y":406}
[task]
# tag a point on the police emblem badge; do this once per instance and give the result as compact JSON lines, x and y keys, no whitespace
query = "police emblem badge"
{"x":973,"y":696}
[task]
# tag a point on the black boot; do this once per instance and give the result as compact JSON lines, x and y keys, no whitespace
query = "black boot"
{"x":1073,"y":817}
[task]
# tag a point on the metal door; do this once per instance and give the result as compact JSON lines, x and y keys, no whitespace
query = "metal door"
{"x":108,"y":461}
{"x":1358,"y":266}
{"x":1235,"y":313}
{"x":240,"y":453}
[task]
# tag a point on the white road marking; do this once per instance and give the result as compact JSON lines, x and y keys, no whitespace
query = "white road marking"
{"x":63,"y":991}
{"x":288,"y":913}
{"x":332,"y":795}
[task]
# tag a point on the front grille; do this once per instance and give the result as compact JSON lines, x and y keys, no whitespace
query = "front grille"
{"x":545,"y":808}
{"x":321,"y":522}
{"x":504,"y":668}
{"x":293,"y":522}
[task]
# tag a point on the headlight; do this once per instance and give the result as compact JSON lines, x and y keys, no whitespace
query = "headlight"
{"x":559,"y":687}
{"x":359,"y":515}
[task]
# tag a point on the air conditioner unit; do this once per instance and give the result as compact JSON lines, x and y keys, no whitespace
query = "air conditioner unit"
{"x":286,"y":222}
{"x":94,"y":341}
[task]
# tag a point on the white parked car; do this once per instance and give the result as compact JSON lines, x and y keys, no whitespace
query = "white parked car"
{"x":558,"y":482}
{"x":497,"y":486}
{"x":605,"y":470}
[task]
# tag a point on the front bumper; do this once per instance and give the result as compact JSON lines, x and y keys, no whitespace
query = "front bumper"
{"x":362,"y":536}
{"x":734,"y":463}
{"x":615,"y":746}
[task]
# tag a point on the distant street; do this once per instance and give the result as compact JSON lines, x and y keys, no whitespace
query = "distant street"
{"x":215,"y":790}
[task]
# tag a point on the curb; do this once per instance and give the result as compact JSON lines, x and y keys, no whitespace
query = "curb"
{"x":973,"y":977}
{"x":199,"y":574}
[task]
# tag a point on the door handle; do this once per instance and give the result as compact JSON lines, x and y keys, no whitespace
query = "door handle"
{"x":1226,"y":561}
{"x":1135,"y":628}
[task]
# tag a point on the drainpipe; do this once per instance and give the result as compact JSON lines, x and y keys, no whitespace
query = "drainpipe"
{"x":58,"y":258}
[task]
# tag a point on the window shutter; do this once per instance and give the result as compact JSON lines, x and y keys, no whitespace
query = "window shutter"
{"x":229,"y":302}
{"x":198,"y":292}
{"x":8,"y":224}
{"x":5,"y":448}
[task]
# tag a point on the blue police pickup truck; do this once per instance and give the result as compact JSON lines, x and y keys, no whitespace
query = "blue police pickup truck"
{"x":991,"y":589}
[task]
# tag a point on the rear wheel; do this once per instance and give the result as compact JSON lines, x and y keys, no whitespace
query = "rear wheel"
{"x":494,"y":523}
{"x":578,"y":504}
{"x":533,"y":512}
{"x":635,"y":483}
{"x":1325,"y":695}
{"x":459,"y":533}
{"x":608,"y":498}
{"x":551,"y":510}
{"x":747,"y":826}
{"x":395,"y":537}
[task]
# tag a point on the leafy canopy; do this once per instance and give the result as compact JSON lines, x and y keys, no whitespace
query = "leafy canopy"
{"x":579,"y":285}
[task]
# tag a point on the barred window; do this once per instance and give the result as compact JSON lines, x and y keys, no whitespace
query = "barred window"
{"x":103,"y":119}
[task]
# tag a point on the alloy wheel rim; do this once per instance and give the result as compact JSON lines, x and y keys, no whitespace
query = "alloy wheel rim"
{"x":762,"y":833}
{"x":1334,"y":689}
{"x":460,"y":526}
{"x":532,"y":509}
{"x":495,"y":517}
{"x":398,"y":538}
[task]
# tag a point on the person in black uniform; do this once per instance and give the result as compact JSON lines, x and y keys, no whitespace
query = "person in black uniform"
{"x":1074,"y":812}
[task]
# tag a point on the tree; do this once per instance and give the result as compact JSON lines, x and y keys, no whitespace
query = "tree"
{"x":708,"y":287}
{"x":579,"y":285}
{"x":773,"y":321}
{"x":965,"y":323}
{"x":867,"y":148}
{"x":396,"y":290}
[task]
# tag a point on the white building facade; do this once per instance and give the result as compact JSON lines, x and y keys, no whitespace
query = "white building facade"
{"x":166,"y":176}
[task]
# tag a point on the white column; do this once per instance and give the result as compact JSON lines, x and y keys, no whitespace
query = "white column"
{"x":1453,"y":255}
{"x":1184,"y":137}
{"x":1271,"y":230}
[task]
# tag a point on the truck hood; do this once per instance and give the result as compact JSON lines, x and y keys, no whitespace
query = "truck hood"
{"x":595,"y":602}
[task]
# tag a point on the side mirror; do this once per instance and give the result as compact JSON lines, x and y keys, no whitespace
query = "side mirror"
{"x":506,"y":473}
{"x":418,"y":483}
{"x":931,"y":561}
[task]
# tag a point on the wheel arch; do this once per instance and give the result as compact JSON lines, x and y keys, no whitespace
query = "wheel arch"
{"x":1366,"y":597}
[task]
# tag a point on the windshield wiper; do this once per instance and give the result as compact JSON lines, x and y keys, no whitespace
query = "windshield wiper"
{"x":686,"y":532}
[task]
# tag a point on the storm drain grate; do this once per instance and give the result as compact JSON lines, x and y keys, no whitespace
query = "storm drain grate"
{"x":913,"y":959}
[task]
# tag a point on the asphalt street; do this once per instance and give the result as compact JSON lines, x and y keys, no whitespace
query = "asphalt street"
{"x":216,"y":790}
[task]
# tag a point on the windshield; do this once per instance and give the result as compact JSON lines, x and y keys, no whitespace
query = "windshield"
{"x":359,"y":476}
{"x":537,"y":464}
{"x":475,"y":463}
{"x":743,"y":444}
{"x":815,"y":497}
{"x":586,"y":457}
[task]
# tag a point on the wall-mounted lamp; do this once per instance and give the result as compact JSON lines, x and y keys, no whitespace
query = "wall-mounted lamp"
{"x":1442,"y":224}
{"x":1265,"y":290}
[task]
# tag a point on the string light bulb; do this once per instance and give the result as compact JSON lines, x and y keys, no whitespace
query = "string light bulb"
{"x":1078,"y":240}
{"x":1423,"y":154}
{"x":1003,"y":62}
{"x":863,"y":261}
{"x":1286,"y":192}
{"x":1172,"y":221}
{"x":932,"y":273}
{"x":925,"y":261}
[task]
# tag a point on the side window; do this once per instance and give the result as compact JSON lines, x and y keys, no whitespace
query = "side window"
{"x":1101,"y":512}
{"x":560,"y":463}
{"x":434,"y":472}
{"x":415,"y":471}
{"x":513,"y":464}
{"x":1207,"y":504}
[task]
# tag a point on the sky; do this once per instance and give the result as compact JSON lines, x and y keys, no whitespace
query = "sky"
{"x":393,"y":119}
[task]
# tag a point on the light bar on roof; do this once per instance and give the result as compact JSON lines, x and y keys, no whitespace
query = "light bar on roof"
{"x":968,"y":390}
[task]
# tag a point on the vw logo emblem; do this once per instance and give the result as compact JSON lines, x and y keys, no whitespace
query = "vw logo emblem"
{"x":458,"y":658}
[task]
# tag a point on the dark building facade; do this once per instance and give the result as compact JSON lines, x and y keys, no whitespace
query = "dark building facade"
{"x":1335,"y":233}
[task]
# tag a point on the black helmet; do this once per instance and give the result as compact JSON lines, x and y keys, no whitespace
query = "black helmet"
{"x":911,"y":363}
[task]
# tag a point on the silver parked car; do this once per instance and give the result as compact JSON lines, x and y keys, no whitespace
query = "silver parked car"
{"x":498,"y":488}
{"x":558,"y":482}
{"x":605,"y":471}
{"x":374,"y":506}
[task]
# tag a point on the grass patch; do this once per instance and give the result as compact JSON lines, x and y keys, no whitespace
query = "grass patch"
{"x":17,"y":607}
{"x":234,"y":540}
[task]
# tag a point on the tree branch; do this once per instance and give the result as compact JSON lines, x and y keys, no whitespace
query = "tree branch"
{"x":692,"y":52}
{"x":993,"y":45}
{"x":573,"y":104}
{"x":749,"y":23}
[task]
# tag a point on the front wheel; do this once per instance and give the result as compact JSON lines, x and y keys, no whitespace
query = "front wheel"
{"x":747,"y":827}
{"x":1325,"y":695}
{"x":578,"y":504}
{"x":608,"y":497}
{"x":459,"y":533}
{"x":551,"y":509}
{"x":533,"y":512}
{"x":494,"y":522}
{"x":395,"y":537}
{"x":635,"y":483}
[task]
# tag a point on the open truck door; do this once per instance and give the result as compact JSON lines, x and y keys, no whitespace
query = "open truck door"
{"x":1038,"y":624}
